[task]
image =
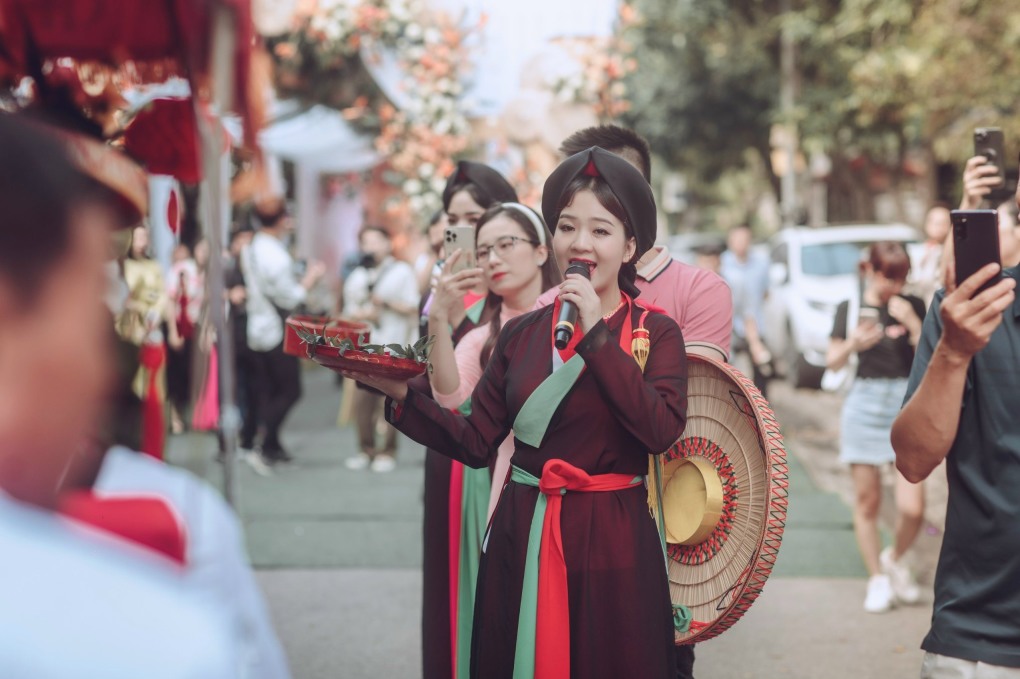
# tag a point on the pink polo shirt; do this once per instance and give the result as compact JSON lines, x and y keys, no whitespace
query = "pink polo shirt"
{"x":697,"y":299}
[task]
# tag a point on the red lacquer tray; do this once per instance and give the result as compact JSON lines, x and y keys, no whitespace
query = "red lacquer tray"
{"x":360,"y":361}
{"x":355,"y":331}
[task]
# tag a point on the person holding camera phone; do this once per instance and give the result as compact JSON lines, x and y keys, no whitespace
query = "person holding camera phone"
{"x":979,"y":180}
{"x":449,"y":312}
{"x":383,"y":292}
{"x":883,"y":338}
{"x":962,"y":406}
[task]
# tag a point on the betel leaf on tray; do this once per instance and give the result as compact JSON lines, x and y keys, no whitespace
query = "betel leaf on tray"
{"x":419,"y":351}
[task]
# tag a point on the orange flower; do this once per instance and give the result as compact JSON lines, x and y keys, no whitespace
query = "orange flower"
{"x":285,"y":50}
{"x":628,"y":15}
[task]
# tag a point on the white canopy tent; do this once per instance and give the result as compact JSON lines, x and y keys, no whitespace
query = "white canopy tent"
{"x":319,"y":140}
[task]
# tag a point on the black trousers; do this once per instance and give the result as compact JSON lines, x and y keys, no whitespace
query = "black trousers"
{"x":739,"y":345}
{"x":685,"y":661}
{"x":246,"y":394}
{"x":178,"y":376}
{"x":276,"y":387}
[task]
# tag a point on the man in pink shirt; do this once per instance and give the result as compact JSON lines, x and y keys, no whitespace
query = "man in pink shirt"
{"x":698,"y":300}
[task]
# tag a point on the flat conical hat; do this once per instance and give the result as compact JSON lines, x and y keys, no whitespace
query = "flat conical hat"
{"x":729,"y":471}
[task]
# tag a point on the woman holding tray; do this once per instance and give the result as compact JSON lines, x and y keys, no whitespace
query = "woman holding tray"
{"x":584,"y":419}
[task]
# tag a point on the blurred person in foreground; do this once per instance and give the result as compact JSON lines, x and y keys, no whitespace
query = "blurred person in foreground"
{"x":748,"y":275}
{"x":274,"y":291}
{"x":962,"y":407}
{"x":178,"y":516}
{"x":76,"y":603}
{"x":881,"y":347}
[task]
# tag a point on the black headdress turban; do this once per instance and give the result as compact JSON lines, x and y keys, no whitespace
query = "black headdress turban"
{"x":626,"y":183}
{"x":491,"y":183}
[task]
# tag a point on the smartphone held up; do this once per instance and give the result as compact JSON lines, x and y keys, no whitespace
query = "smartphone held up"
{"x":868,"y":318}
{"x":460,"y":238}
{"x":990,"y":143}
{"x":975,"y":243}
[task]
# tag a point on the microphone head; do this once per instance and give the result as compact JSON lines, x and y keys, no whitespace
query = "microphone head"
{"x":582,"y":268}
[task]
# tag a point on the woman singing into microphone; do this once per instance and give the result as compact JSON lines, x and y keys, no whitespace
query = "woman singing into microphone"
{"x":572,"y":582}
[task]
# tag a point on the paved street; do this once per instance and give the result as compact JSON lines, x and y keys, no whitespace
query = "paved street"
{"x":339,"y":554}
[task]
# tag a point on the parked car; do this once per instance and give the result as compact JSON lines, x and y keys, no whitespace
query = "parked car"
{"x":812,"y":270}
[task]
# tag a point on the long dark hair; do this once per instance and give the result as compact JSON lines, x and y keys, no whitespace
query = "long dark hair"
{"x":476,"y":192}
{"x":607,"y":199}
{"x":550,"y":271}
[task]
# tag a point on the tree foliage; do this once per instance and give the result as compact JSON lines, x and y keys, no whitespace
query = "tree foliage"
{"x":877,"y":80}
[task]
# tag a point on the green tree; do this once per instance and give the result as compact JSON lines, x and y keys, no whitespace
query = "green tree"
{"x":706,"y":85}
{"x":878,"y":82}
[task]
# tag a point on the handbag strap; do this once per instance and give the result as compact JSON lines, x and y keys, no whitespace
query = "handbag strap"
{"x":853,"y":316}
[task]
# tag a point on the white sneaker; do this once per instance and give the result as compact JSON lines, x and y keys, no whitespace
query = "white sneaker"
{"x":903,"y":583}
{"x":880,"y":596}
{"x":384,"y":463}
{"x":358,"y":462}
{"x":258,"y":465}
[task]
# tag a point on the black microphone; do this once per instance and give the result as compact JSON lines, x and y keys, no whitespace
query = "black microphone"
{"x":568,"y":312}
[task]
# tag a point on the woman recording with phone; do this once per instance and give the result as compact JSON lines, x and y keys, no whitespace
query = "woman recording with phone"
{"x":585,"y":419}
{"x":455,"y":497}
{"x":877,"y":334}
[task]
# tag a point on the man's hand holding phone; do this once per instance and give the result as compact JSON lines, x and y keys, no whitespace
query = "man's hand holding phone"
{"x":969,"y":318}
{"x":980,"y":178}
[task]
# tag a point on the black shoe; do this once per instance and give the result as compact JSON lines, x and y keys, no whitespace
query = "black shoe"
{"x":277,"y":456}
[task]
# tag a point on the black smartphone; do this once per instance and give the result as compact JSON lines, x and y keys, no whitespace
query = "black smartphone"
{"x":990,"y":143}
{"x":975,"y":243}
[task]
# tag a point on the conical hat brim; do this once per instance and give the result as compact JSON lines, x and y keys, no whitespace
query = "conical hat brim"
{"x":731,"y":424}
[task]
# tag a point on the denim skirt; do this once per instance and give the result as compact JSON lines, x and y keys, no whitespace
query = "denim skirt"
{"x":869,"y":409}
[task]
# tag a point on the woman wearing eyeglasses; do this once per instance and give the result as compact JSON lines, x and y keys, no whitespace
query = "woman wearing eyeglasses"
{"x":571,"y":581}
{"x":516,"y":266}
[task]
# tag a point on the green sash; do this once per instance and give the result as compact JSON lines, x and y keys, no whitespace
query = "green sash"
{"x":474,"y":312}
{"x":524,"y":654}
{"x":533,"y":419}
{"x":473,"y":519}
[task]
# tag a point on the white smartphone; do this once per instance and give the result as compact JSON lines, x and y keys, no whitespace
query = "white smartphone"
{"x":460,"y":238}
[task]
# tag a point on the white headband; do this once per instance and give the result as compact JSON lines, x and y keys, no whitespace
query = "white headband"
{"x":532,"y":216}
